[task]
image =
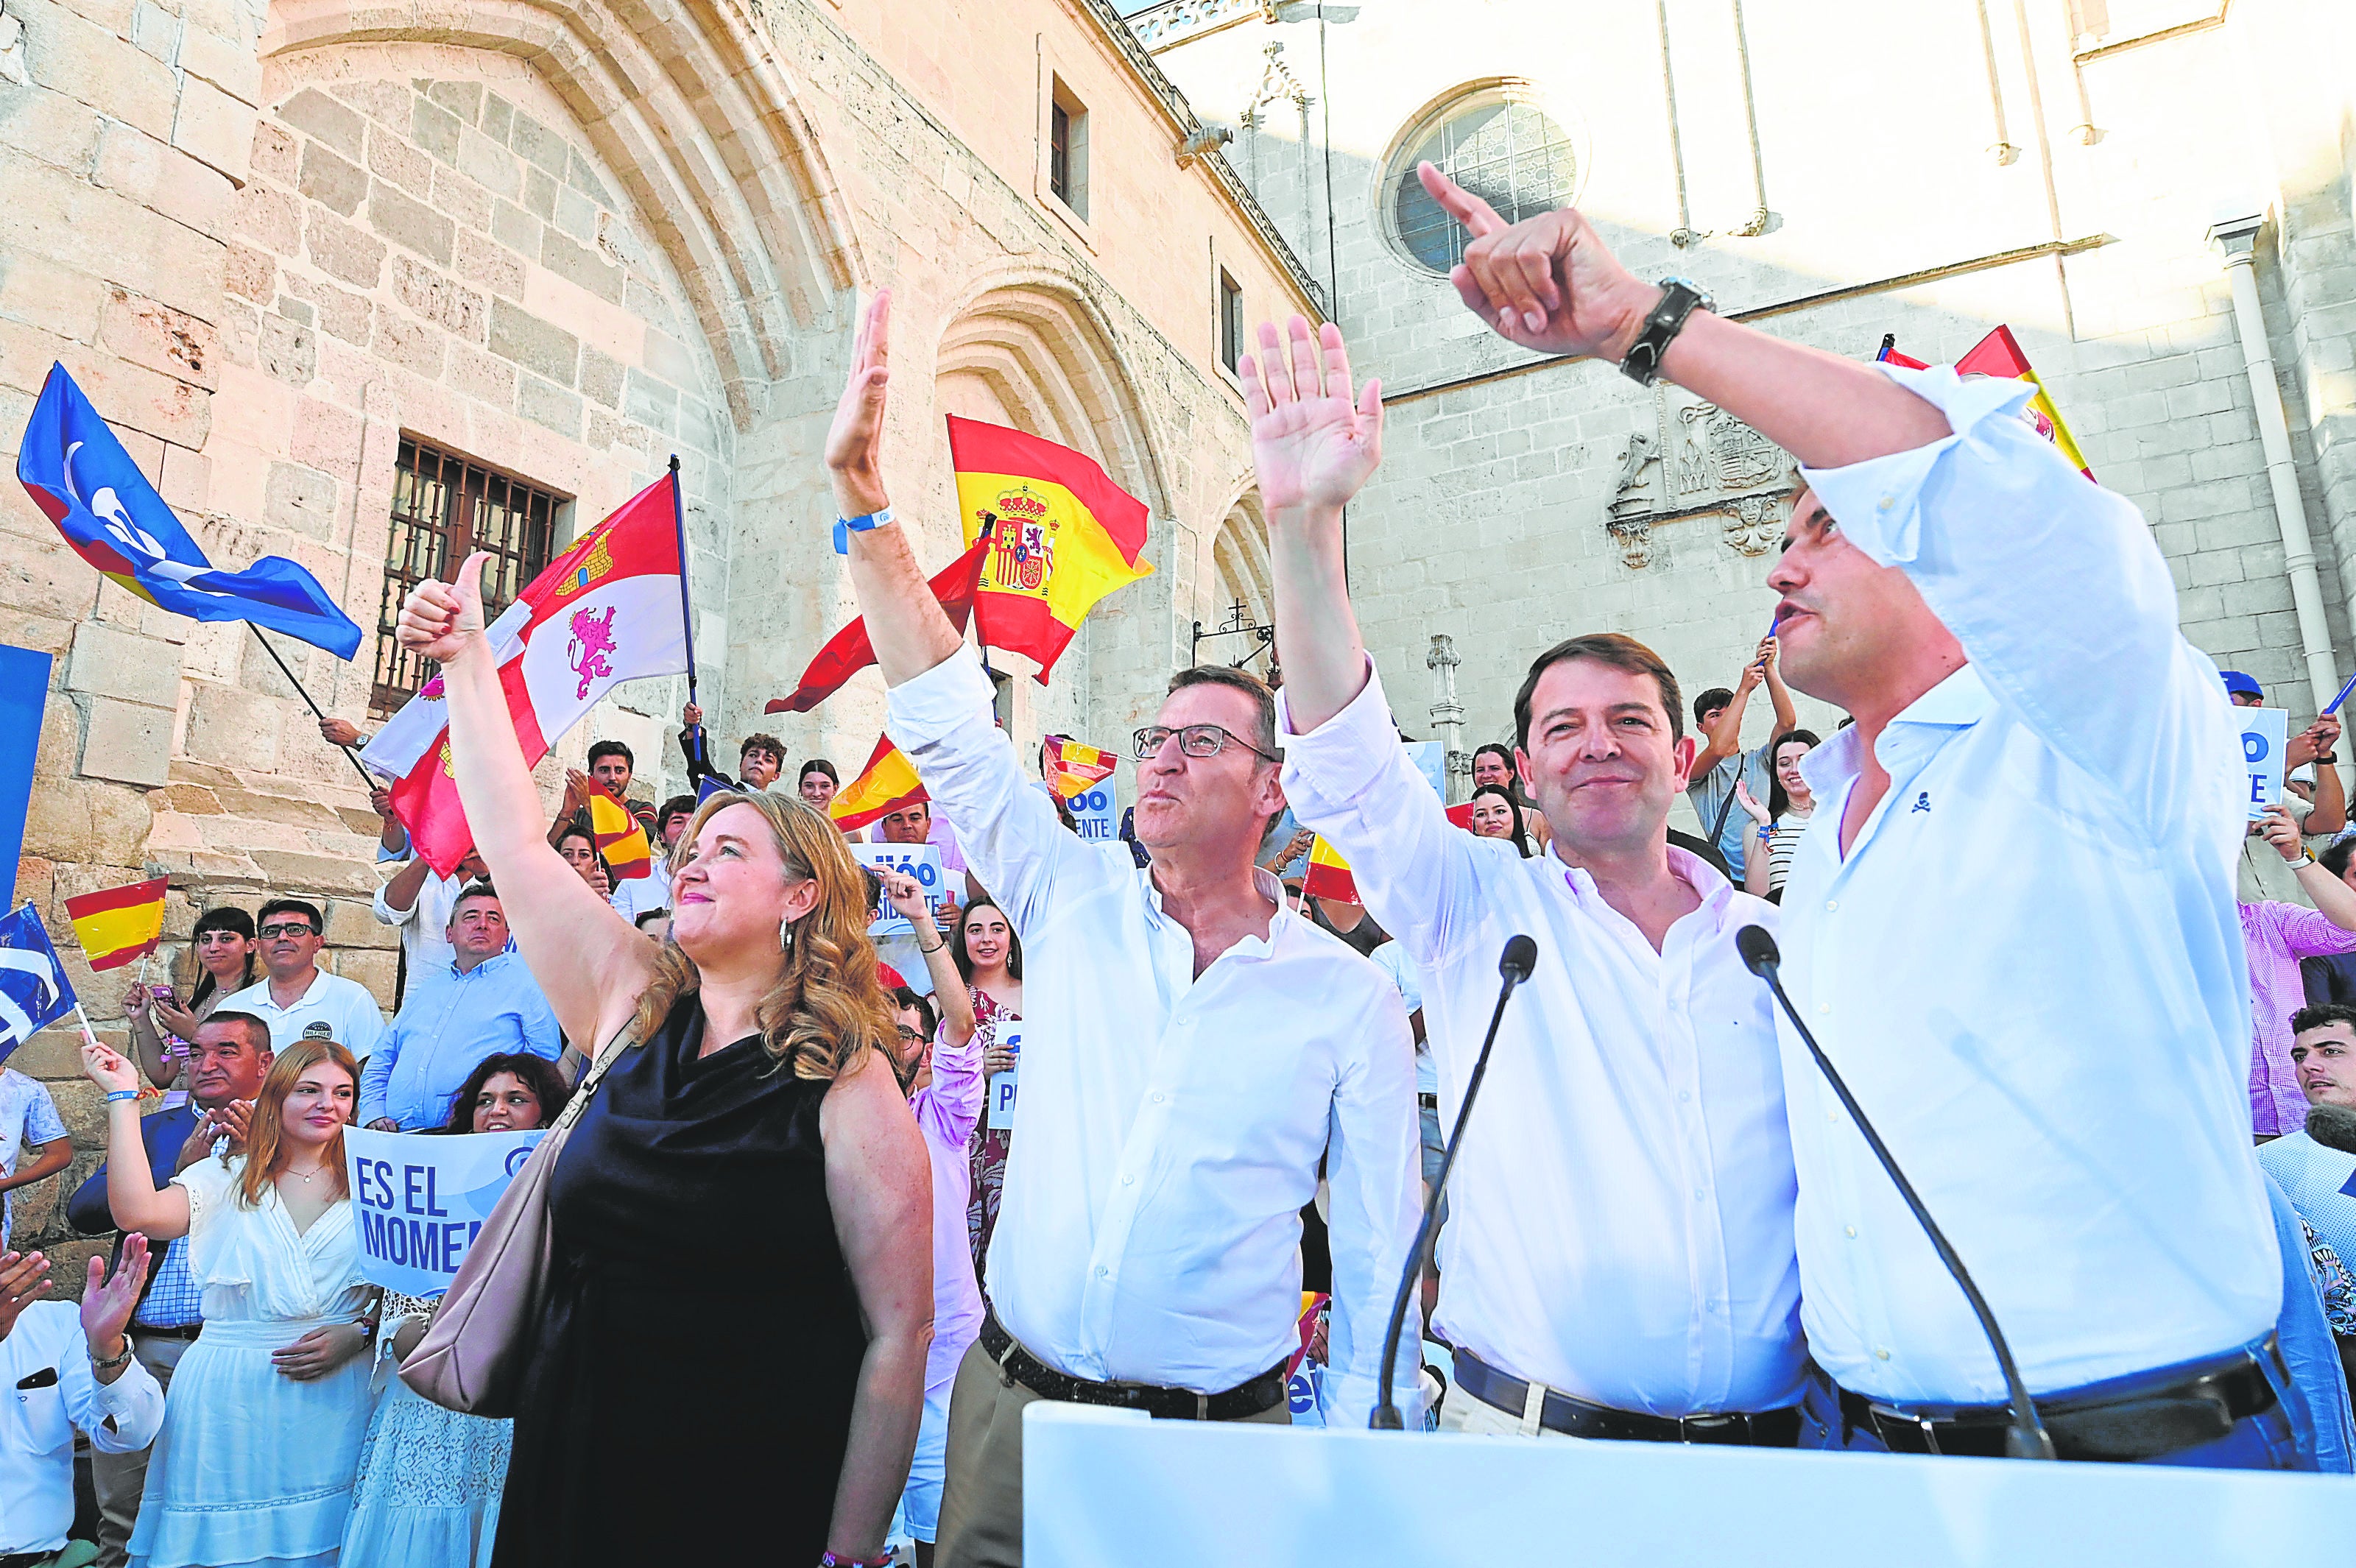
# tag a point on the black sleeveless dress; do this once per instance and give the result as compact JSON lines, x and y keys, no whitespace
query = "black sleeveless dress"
{"x":690,"y":1390}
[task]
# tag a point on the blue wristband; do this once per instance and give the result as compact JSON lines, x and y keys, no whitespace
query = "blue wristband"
{"x":845,"y":526}
{"x":114,"y":1095}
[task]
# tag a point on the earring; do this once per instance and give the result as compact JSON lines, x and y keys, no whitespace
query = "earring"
{"x":786,"y":937}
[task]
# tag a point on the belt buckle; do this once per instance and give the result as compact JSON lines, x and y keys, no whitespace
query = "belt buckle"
{"x":1687,"y":1427}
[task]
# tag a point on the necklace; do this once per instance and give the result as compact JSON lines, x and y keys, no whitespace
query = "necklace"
{"x":306,"y":1175}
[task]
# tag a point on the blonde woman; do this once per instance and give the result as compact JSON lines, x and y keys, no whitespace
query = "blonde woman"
{"x":731,"y":1359}
{"x":264,"y":1421}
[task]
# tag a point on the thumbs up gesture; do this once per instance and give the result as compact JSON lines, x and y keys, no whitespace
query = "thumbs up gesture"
{"x":442,"y":620}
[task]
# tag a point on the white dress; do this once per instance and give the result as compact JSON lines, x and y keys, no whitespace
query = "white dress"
{"x":429,"y":1479}
{"x":252,"y":1465}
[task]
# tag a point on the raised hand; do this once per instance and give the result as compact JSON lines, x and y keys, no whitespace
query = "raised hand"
{"x":1313,"y":444}
{"x":855,"y":441}
{"x":1546,"y":282}
{"x":135,"y":1001}
{"x":107,"y":1304}
{"x":444,"y":619}
{"x":1750,"y":804}
{"x":107,"y":1068}
{"x":907,"y":898}
{"x":2279,"y":828}
{"x":24,"y":1279}
{"x":339,"y":733}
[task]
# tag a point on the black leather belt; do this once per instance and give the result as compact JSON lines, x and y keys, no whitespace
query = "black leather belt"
{"x":2129,"y":1419}
{"x":149,"y":1331}
{"x":1578,"y":1418}
{"x":1168,"y":1403}
{"x":26,"y":1559}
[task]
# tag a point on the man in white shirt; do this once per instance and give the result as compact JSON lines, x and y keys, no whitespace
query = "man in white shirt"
{"x":1619,"y":1261}
{"x":418,"y":903}
{"x":2320,"y":1176}
{"x":296,"y":994}
{"x":69,"y":1366}
{"x":2025,"y":850}
{"x":1190,"y":1050}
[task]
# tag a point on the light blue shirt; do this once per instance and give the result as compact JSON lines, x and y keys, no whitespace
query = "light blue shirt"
{"x":450,"y":1022}
{"x":2051,"y":874}
{"x":2321,"y":1182}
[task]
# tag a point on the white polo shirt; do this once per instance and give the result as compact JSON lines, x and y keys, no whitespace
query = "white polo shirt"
{"x":348,"y":1007}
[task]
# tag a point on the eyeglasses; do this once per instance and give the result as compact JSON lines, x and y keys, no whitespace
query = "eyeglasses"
{"x":911,"y":1036}
{"x":1195,"y":740}
{"x":290,"y":928}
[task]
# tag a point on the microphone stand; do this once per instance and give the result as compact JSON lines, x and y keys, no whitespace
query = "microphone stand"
{"x":2027,"y":1437}
{"x":1520,"y":958}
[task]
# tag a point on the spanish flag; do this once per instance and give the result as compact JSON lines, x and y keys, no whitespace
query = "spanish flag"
{"x":1062,"y":534}
{"x":1998,"y":354}
{"x":620,"y":837}
{"x":119,"y":923}
{"x":849,"y":651}
{"x":1072,"y":767}
{"x":1329,"y":874}
{"x":886,"y":783}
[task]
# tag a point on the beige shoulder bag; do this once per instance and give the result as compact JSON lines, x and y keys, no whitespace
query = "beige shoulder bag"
{"x":472,"y":1358}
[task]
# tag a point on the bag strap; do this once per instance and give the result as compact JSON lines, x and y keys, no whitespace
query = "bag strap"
{"x":624,"y":1038}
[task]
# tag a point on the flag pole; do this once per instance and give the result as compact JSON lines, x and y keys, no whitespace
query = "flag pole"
{"x":366,"y":777}
{"x":686,"y":605}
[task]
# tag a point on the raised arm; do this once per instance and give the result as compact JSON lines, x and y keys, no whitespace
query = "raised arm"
{"x":1771,"y":664}
{"x":396,"y":901}
{"x":949,"y":992}
{"x":587,"y":958}
{"x":131,"y":1191}
{"x":1723,"y":737}
{"x":910,"y":631}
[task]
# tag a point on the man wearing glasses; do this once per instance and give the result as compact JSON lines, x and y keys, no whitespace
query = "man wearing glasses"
{"x":1192,"y":1049}
{"x":298,"y":995}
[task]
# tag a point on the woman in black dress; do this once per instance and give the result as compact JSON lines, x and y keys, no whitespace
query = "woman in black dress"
{"x":729,"y":1364}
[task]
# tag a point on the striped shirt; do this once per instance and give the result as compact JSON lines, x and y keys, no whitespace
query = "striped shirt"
{"x":1783,"y":843}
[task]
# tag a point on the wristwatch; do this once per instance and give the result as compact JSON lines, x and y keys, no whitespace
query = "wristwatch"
{"x":1680,"y":297}
{"x":2302,"y":863}
{"x":112,"y":1362}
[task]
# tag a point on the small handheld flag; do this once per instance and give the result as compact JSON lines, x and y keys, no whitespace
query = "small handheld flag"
{"x":1329,"y":874}
{"x":119,"y":924}
{"x":83,"y":480}
{"x":1062,"y":535}
{"x":887,"y":783}
{"x":2333,"y":707}
{"x":1998,"y":354}
{"x":849,"y":651}
{"x":620,"y":836}
{"x":34,"y":991}
{"x":1072,"y":767}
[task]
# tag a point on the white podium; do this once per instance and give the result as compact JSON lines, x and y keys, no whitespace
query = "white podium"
{"x":1104,"y":1488}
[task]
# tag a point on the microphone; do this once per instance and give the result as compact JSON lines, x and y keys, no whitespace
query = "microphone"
{"x":1513,"y":966}
{"x":2028,"y":1439}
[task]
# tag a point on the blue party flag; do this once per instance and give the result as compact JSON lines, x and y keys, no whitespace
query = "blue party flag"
{"x":34,"y":991}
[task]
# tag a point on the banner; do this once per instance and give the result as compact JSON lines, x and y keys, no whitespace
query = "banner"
{"x":422,"y":1198}
{"x":2264,"y":733}
{"x":1095,"y":811}
{"x":922,"y":861}
{"x":34,"y":990}
{"x":1001,"y":1101}
{"x":24,"y":692}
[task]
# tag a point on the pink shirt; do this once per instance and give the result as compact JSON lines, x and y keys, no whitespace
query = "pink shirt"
{"x":2277,"y":936}
{"x":946,"y":1110}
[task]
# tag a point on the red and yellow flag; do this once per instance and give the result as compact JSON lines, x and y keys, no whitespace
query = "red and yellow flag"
{"x":1329,"y":874}
{"x":849,"y":651}
{"x":119,"y":924}
{"x":1062,"y":534}
{"x":620,"y":837}
{"x":886,"y":783}
{"x":1072,"y":767}
{"x":1998,"y":354}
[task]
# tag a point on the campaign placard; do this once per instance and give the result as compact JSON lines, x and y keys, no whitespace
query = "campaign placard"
{"x":421,"y":1200}
{"x":922,"y":861}
{"x":2265,"y":732}
{"x":1002,"y":1086}
{"x":1095,"y":811}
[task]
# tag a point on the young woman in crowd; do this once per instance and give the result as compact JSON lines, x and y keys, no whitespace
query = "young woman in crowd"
{"x":428,"y":1491}
{"x":939,"y":1062}
{"x":1493,"y":763}
{"x":264,"y":1420}
{"x":223,"y":951}
{"x":1783,"y":819}
{"x":989,"y":958}
{"x":1497,"y":815}
{"x":729,"y":1357}
{"x":580,"y":852}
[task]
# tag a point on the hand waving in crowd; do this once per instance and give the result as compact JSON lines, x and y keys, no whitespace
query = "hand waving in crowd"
{"x":1313,"y":442}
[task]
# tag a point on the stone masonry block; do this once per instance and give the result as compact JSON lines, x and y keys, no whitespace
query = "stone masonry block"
{"x":579,"y":264}
{"x":214,"y":128}
{"x":405,"y":220}
{"x":538,"y":196}
{"x":160,"y":338}
{"x":540,"y":145}
{"x":464,"y":99}
{"x":488,"y":165}
{"x":601,"y":377}
{"x":351,"y":923}
{"x":435,"y":129}
{"x":439,"y":299}
{"x":164,"y":178}
{"x":231,"y":64}
{"x":109,"y":662}
{"x":233,"y":728}
{"x":534,"y":344}
{"x":335,"y":183}
{"x":341,"y":313}
{"x":276,"y":155}
{"x":301,"y":499}
{"x":412,"y":344}
{"x":271,"y":219}
{"x":95,"y":66}
{"x":392,"y":158}
{"x":482,"y":259}
{"x":466,"y":202}
{"x":542,"y":404}
{"x":343,"y":251}
{"x":515,"y":227}
{"x":498,"y":117}
{"x":127,"y":741}
{"x":48,"y":126}
{"x":287,"y":350}
{"x":56,"y":299}
{"x":316,"y":114}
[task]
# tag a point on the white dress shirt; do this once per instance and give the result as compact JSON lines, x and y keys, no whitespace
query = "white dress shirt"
{"x":348,"y":1007}
{"x":36,"y":1425}
{"x":424,"y":925}
{"x":1621,"y":1209}
{"x":635,"y":896}
{"x":2049,"y":882}
{"x":2320,"y":1182}
{"x":1172,"y":1123}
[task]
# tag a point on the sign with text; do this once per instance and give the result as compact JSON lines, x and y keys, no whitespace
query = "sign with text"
{"x":2264,"y":733}
{"x":1001,"y":1087}
{"x":922,"y":861}
{"x":1095,"y":811}
{"x":421,"y":1200}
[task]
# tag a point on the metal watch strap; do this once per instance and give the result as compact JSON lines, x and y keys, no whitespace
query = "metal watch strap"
{"x":1678,"y":301}
{"x":113,"y":1362}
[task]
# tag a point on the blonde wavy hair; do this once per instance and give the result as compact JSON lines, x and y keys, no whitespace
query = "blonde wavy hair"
{"x":266,"y":1155}
{"x":828,"y":1009}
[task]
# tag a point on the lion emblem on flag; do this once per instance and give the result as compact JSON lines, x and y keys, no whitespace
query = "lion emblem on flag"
{"x":593,"y":642}
{"x":1022,"y":542}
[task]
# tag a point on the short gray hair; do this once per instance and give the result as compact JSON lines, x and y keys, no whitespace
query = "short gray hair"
{"x":1263,"y":696}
